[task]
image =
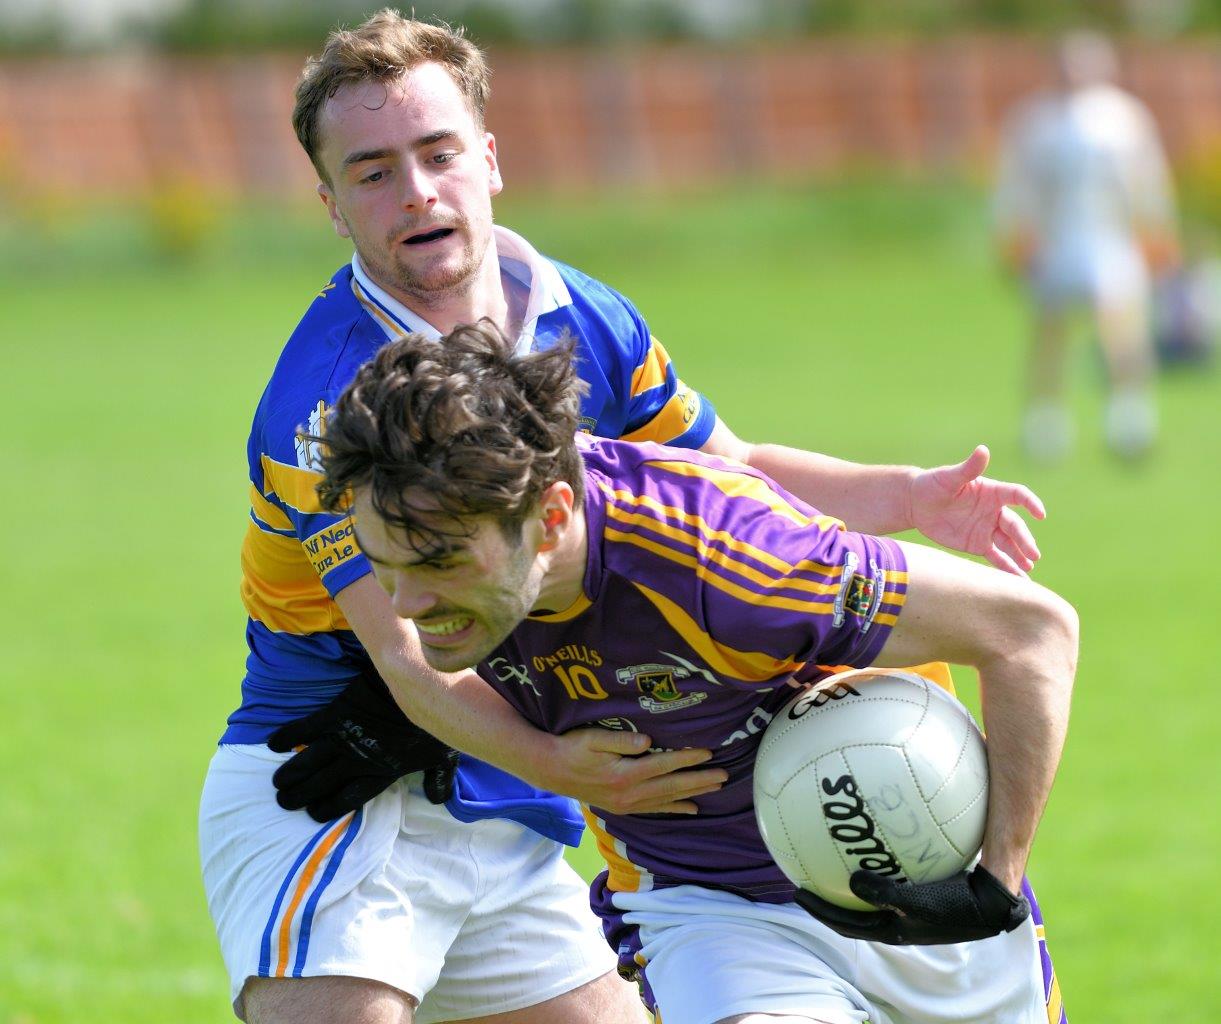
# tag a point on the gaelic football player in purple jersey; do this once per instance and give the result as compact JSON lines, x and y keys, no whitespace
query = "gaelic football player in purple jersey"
{"x":635,"y":587}
{"x":372,"y":874}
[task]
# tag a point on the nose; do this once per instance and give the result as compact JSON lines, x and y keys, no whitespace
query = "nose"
{"x":408,"y":599}
{"x":419,"y":191}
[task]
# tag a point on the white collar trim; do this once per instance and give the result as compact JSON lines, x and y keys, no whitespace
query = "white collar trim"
{"x":518,"y":258}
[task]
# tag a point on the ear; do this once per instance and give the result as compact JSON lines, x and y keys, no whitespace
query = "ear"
{"x":495,"y":182}
{"x":327,"y":195}
{"x":557,"y":511}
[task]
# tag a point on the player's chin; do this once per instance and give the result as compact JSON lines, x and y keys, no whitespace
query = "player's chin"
{"x":455,"y":657}
{"x":437,"y":274}
{"x":449,"y":660}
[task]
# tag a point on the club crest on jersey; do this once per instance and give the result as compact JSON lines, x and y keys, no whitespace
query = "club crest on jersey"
{"x":859,"y":595}
{"x":659,"y":685}
{"x":309,"y":453}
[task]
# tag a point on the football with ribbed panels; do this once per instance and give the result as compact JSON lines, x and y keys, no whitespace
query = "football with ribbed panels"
{"x":874,"y":769}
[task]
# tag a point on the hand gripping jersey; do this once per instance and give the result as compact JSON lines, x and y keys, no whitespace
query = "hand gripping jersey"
{"x":707,"y":588}
{"x":296,"y":557}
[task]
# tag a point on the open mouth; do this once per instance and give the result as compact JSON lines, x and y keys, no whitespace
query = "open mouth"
{"x":429,"y":236}
{"x":445,"y":627}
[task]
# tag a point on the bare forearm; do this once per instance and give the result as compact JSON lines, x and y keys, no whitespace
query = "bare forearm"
{"x":1022,"y":639}
{"x":459,"y":709}
{"x":1025,"y":707}
{"x":597,"y":766}
{"x":953,"y":505}
{"x":869,"y":499}
{"x":465,"y":712}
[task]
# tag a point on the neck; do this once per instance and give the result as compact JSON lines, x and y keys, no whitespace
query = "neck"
{"x":565,"y":573}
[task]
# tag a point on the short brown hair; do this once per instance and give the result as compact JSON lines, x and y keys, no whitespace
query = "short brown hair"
{"x":383,"y":49}
{"x":462,"y":421}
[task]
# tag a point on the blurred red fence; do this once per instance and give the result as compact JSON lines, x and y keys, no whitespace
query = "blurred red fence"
{"x":104,"y":127}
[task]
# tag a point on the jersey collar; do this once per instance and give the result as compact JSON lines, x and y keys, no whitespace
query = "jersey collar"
{"x":518,"y":258}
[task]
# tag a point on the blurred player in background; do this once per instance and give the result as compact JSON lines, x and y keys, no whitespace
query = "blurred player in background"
{"x":693,"y":590}
{"x":1085,"y":214}
{"x":444,"y":895}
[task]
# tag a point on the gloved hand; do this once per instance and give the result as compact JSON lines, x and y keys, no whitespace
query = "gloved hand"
{"x":966,"y":906}
{"x":356,"y":746}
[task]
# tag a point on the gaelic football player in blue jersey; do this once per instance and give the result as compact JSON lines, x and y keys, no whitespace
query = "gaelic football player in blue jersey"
{"x":593,"y":567}
{"x":411,"y":891}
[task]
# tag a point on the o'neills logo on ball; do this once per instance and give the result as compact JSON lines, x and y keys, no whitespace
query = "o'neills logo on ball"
{"x":817,"y":696}
{"x":854,"y":829}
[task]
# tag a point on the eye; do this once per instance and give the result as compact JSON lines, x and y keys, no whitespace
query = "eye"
{"x":441,"y":565}
{"x":444,"y":158}
{"x":372,"y":178}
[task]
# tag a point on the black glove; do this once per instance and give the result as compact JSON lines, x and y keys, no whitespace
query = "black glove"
{"x":356,"y":746}
{"x":966,"y":906}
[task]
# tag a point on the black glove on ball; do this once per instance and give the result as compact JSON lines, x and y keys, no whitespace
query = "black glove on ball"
{"x":356,"y":746}
{"x":967,"y":906}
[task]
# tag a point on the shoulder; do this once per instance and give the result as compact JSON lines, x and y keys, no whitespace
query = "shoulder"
{"x":594,"y":299}
{"x":706,"y":496}
{"x":1112,"y":108}
{"x":334,"y":337}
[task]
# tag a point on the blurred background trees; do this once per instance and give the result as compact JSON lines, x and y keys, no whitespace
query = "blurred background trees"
{"x":210,"y":25}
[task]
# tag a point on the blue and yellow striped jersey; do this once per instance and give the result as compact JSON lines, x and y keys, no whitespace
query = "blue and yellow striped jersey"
{"x":296,"y":557}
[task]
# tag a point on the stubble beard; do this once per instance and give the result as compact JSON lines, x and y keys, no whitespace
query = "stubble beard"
{"x":428,"y":285}
{"x":520,"y":587}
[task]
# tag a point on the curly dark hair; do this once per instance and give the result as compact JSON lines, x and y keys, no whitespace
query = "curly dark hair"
{"x":443,"y":430}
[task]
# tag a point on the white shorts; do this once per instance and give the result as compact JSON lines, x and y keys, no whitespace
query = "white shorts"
{"x":1111,"y":275}
{"x":470,"y":919}
{"x":710,"y":955}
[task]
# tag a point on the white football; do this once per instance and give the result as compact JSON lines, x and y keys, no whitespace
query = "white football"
{"x":876,"y":769}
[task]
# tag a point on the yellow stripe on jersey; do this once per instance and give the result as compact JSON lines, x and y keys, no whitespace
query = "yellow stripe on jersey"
{"x":292,"y":485}
{"x":652,"y":372}
{"x":268,"y":513}
{"x":672,"y":420}
{"x":681,"y":515}
{"x":571,"y":612}
{"x":281,"y":590}
{"x":715,"y":555}
{"x":1055,"y":1000}
{"x":394,"y":329}
{"x":743,"y":485}
{"x":622,"y":874}
{"x":889,"y":618}
{"x":934,"y":671}
{"x":772,"y":600}
{"x":752,"y":666}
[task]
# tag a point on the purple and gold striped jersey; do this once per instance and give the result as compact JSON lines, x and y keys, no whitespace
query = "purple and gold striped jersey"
{"x":707,"y":588}
{"x":296,"y":556}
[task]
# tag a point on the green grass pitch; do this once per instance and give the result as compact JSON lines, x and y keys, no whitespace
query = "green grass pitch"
{"x":867,"y":321}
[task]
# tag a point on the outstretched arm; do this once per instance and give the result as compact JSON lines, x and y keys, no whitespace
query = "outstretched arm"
{"x":596,"y":766}
{"x":955,"y":506}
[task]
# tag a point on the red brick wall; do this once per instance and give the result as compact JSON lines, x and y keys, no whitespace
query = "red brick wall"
{"x":105,"y":127}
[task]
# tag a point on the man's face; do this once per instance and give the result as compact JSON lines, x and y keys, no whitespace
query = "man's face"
{"x":464,"y":599}
{"x":412,"y":181}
